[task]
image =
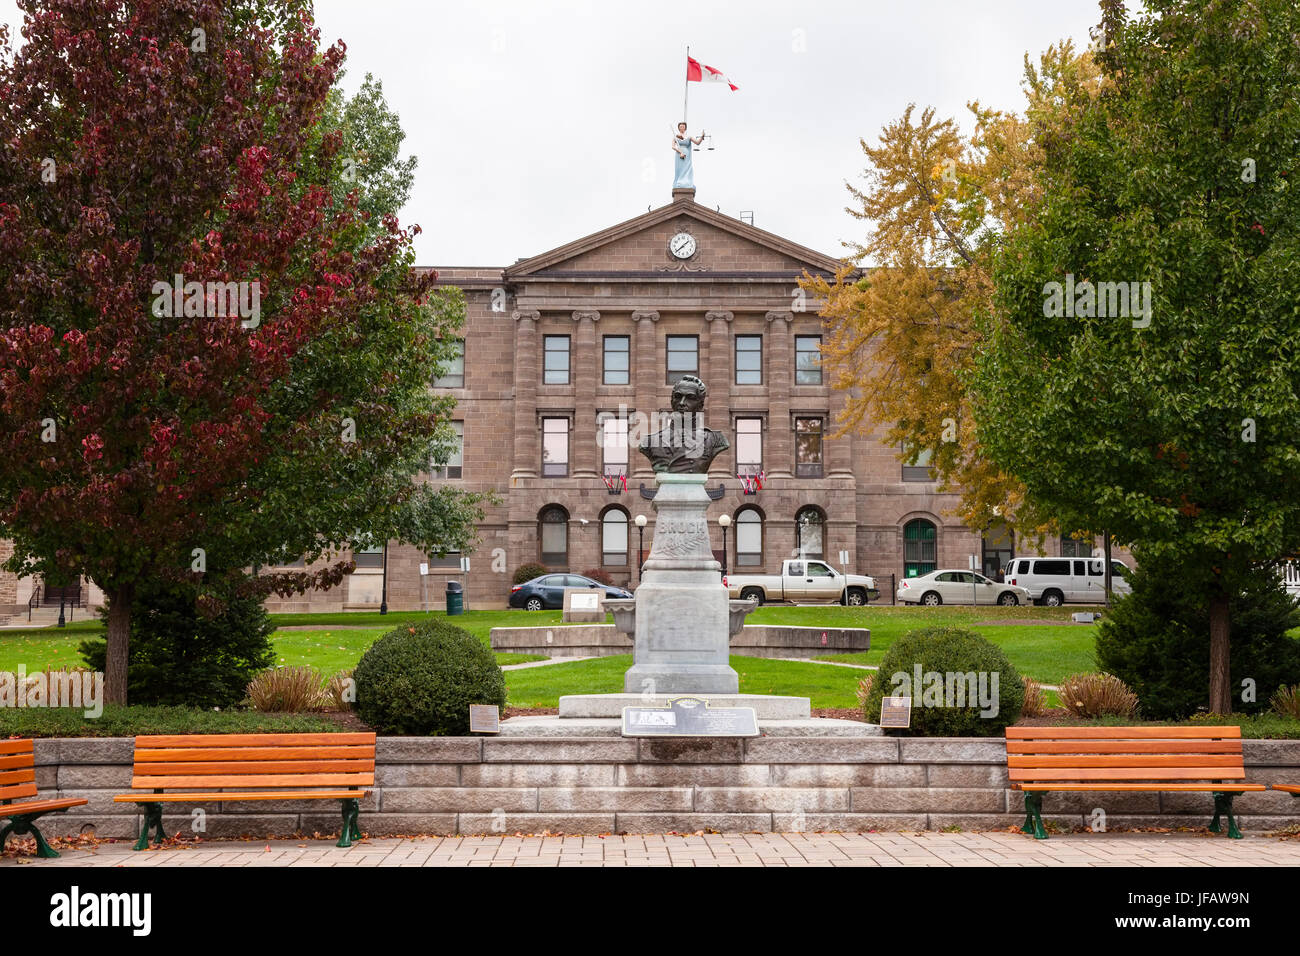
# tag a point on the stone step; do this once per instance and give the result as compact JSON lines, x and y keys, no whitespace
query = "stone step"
{"x":552,"y":726}
{"x":766,"y":706}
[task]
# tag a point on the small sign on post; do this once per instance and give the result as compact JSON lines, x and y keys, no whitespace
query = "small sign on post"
{"x":896,"y":712}
{"x":484,"y":719}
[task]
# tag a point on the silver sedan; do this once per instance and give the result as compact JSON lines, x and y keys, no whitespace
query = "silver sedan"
{"x":959,"y":587}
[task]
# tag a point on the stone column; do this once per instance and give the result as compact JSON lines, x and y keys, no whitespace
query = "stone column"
{"x":718,"y":378}
{"x":649,"y":373}
{"x":527,"y":442}
{"x":778,"y":451}
{"x":586,"y":452}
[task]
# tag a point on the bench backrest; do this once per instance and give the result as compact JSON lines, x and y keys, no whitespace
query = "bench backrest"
{"x":208,"y":761}
{"x":17,"y":770}
{"x":1123,"y":754}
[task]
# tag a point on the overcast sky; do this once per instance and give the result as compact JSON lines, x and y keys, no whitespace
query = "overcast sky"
{"x":536,"y":122}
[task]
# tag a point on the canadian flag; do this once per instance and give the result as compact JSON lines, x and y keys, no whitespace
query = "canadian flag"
{"x":697,"y":72}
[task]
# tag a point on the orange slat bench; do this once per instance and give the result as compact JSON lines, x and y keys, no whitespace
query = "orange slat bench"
{"x":18,"y":780}
{"x":1291,"y":788}
{"x":228,"y":767}
{"x":1206,"y":759}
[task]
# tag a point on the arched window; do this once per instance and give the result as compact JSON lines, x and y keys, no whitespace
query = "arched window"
{"x":749,"y":538}
{"x":613,"y":537}
{"x":810,"y":532}
{"x":553,"y":536}
{"x":919,"y":539}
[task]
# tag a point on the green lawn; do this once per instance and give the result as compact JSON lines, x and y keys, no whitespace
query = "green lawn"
{"x":543,"y":686}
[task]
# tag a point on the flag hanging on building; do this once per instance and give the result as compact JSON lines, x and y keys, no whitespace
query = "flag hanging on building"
{"x":697,"y":72}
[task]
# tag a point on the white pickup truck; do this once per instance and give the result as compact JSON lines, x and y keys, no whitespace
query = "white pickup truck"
{"x":803,"y":582}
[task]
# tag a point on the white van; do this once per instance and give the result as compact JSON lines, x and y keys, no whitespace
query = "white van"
{"x":1056,"y":581}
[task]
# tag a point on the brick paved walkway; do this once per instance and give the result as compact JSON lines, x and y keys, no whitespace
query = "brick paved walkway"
{"x":744,"y":849}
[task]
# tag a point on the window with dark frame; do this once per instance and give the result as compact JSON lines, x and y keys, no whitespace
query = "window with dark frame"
{"x":555,"y":447}
{"x":555,"y":362}
{"x":617,"y":365}
{"x":808,"y":447}
{"x":749,"y":446}
{"x":917,"y":468}
{"x":613,"y":444}
{"x":453,"y":374}
{"x":749,"y":539}
{"x":1072,"y":547}
{"x":613,"y":538}
{"x":749,"y":360}
{"x":447,"y":562}
{"x":808,"y":360}
{"x":553,"y":537}
{"x":810,"y":535}
{"x":369,"y":557}
{"x":453,"y":466}
{"x":683,"y":357}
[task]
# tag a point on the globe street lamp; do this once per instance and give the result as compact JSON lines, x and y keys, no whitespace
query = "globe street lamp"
{"x":725,"y":522}
{"x":640,"y":544}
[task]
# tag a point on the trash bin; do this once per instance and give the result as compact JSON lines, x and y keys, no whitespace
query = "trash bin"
{"x":455,"y":598}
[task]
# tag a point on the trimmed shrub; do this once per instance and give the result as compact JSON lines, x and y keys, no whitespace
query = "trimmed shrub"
{"x":191,"y":652}
{"x":419,"y":680}
{"x":1035,"y":699}
{"x":288,"y":690}
{"x":526,"y":572}
{"x":957,"y":667}
{"x":597,"y":574}
{"x":1097,"y":695}
{"x":1157,"y":641}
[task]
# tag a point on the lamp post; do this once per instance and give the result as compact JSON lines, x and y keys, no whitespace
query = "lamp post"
{"x":725,"y":522}
{"x":383,"y":594}
{"x":640,"y":545}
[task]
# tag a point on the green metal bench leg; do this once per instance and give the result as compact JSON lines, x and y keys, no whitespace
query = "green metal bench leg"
{"x":23,"y":825}
{"x":1034,"y":816}
{"x":1223,"y":807}
{"x":152,"y":818}
{"x":351,"y":828}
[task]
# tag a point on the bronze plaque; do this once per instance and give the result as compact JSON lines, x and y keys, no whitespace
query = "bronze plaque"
{"x":896,"y":712}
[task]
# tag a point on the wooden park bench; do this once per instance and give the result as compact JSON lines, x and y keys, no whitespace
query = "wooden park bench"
{"x":18,"y":780}
{"x":1206,"y":759}
{"x":230,"y":767}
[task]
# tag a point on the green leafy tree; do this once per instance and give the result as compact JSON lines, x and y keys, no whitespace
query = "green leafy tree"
{"x":1140,"y":369}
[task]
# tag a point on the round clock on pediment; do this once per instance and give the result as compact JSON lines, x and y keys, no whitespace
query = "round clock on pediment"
{"x":682,"y":245}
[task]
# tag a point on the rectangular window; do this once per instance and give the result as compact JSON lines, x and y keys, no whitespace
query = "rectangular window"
{"x":555,"y":447}
{"x":749,"y":540}
{"x":452,"y":467}
{"x":613,"y":443}
{"x":1052,"y":567}
{"x":448,"y":562}
{"x":453,"y":373}
{"x":683,"y":357}
{"x":917,"y":468}
{"x":749,"y":360}
{"x":749,"y":446}
{"x":808,"y":447}
{"x":613,"y":539}
{"x":555,"y":368}
{"x":369,"y":557}
{"x":617,"y":367}
{"x":807,"y":359}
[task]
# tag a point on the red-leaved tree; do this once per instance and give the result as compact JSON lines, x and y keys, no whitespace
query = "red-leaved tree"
{"x":161,"y":266}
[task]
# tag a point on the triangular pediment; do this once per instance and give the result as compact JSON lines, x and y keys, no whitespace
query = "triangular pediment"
{"x":640,"y":246}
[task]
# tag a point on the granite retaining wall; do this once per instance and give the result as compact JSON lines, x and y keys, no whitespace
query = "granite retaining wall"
{"x":474,"y":785}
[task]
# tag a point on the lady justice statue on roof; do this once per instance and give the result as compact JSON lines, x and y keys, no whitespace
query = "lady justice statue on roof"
{"x":683,"y":172}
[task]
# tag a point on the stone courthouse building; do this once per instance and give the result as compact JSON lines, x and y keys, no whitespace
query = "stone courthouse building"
{"x":567,"y":357}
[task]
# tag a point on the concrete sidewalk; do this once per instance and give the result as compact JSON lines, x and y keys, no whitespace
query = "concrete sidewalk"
{"x":743,"y":849}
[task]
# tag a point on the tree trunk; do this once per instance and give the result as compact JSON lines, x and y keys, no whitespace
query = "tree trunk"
{"x":119,"y":643}
{"x":1220,"y":686}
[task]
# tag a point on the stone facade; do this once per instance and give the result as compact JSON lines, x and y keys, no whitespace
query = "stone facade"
{"x":623,"y":281}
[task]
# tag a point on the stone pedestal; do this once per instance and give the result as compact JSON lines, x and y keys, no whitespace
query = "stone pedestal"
{"x":682,"y":609}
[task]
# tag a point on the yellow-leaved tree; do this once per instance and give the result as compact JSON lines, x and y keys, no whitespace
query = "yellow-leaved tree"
{"x":901,"y":336}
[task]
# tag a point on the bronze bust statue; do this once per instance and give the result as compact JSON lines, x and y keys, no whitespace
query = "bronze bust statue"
{"x":684,"y":445}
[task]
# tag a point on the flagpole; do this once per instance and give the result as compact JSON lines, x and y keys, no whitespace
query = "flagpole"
{"x":686,"y":86}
